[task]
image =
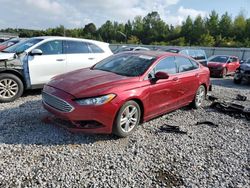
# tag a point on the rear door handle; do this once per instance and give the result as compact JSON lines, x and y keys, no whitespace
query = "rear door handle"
{"x":91,"y":58}
{"x":60,"y":59}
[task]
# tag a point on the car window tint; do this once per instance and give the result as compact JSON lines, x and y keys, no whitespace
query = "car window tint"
{"x":94,"y":48}
{"x":167,"y":65}
{"x":75,"y":47}
{"x":184,"y":64}
{"x":51,"y":47}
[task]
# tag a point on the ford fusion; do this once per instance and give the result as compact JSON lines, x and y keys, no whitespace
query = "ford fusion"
{"x":125,"y":89}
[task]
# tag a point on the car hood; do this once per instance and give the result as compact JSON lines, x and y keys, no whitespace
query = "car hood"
{"x":87,"y":82}
{"x":6,"y":56}
{"x":215,"y":64}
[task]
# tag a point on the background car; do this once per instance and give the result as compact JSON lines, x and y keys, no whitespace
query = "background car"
{"x":125,"y":89}
{"x":131,"y":48}
{"x":9,"y":43}
{"x":243,"y":72}
{"x":197,"y":54}
{"x":32,"y":63}
{"x":222,"y":65}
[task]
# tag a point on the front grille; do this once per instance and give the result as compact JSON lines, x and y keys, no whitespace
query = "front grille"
{"x":56,"y":103}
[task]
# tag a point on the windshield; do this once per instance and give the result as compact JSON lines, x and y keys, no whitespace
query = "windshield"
{"x":219,"y":59}
{"x":126,"y":64}
{"x":22,"y":46}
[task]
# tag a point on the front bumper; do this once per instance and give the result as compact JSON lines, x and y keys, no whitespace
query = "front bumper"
{"x":215,"y":72}
{"x":88,"y":119}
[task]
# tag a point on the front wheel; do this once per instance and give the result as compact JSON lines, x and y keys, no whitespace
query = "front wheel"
{"x":11,"y":87}
{"x":237,"y":79}
{"x":199,"y":97}
{"x":127,"y":119}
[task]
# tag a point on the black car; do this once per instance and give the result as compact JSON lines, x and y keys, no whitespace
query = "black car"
{"x":197,"y":54}
{"x":243,"y":72}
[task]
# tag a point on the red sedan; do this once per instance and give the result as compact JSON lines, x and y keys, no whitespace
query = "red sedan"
{"x":222,"y":65}
{"x":118,"y":93}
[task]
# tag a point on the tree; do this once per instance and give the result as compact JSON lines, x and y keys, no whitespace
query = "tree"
{"x":198,"y":30}
{"x":225,"y":26}
{"x":206,"y":40}
{"x":212,"y":24}
{"x":239,"y":26}
{"x":187,"y":30}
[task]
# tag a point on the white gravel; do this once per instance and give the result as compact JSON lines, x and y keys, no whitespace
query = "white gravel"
{"x":34,"y":154}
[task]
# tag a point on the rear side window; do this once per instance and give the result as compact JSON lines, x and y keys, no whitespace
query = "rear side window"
{"x":94,"y":48}
{"x":51,"y":47}
{"x":167,"y":65}
{"x":75,"y":47}
{"x":184,"y":64}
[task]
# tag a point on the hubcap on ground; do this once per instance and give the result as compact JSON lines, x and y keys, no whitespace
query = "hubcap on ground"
{"x":200,"y":95}
{"x":8,"y":88}
{"x":129,"y":118}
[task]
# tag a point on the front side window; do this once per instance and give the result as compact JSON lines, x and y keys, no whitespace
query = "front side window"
{"x":184,"y":64}
{"x":167,"y":65}
{"x":235,"y":59}
{"x":126,"y":64}
{"x":51,"y":47}
{"x":200,"y":54}
{"x":75,"y":47}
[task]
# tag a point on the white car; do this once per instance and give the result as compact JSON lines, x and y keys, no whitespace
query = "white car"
{"x":33,"y":62}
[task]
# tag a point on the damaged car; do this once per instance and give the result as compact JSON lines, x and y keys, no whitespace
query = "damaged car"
{"x":243,"y":72}
{"x":121,"y":91}
{"x":32,"y":63}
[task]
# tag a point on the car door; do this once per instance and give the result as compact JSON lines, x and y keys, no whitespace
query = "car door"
{"x":230,"y":65}
{"x":51,"y":63}
{"x":163,"y":92}
{"x":188,"y":75}
{"x":78,"y":55}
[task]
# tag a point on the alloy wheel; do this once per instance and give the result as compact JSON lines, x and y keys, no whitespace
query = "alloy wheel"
{"x":8,"y":88}
{"x":129,"y":118}
{"x":200,"y":96}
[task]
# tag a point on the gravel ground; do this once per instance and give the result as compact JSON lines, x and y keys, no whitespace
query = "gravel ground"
{"x":34,"y":154}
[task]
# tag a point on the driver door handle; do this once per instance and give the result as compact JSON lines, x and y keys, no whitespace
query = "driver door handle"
{"x":60,"y":59}
{"x":91,"y":58}
{"x":175,"y":79}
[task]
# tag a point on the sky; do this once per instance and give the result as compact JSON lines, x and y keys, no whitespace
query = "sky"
{"x":43,"y":14}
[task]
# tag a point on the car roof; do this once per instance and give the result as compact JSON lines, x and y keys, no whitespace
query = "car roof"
{"x":157,"y":54}
{"x":68,"y":38}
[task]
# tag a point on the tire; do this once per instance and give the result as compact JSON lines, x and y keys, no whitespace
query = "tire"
{"x":11,"y":87}
{"x":224,"y":73}
{"x":237,"y":81}
{"x":127,"y":119}
{"x":199,"y":97}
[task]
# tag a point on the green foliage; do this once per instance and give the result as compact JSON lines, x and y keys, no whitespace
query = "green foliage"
{"x":202,"y":31}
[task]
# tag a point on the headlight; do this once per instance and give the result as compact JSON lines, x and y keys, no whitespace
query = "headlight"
{"x":96,"y":100}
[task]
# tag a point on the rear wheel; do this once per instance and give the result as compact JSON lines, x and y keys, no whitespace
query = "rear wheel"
{"x":11,"y":87}
{"x":127,"y":119}
{"x":199,"y":97}
{"x":237,"y":80}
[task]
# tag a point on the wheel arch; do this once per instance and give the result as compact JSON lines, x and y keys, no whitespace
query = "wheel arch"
{"x":14,"y":72}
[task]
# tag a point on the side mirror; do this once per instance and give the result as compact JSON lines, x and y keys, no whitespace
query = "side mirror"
{"x":161,"y":75}
{"x":36,"y":52}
